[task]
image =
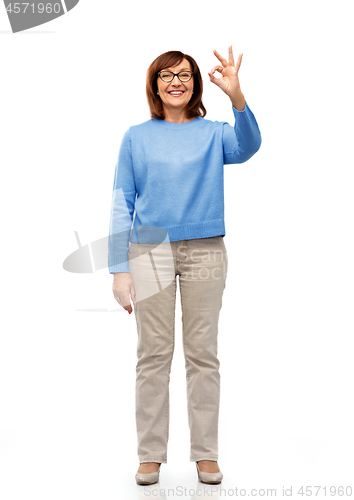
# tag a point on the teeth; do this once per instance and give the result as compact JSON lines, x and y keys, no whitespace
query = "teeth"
{"x":177,"y":93}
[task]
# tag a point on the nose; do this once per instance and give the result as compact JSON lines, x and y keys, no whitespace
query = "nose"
{"x":175,"y":80}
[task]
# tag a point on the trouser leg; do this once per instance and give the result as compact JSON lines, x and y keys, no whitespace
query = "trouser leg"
{"x":202,"y":282}
{"x":155,"y":318}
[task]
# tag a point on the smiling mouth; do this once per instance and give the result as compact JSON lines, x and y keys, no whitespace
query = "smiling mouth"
{"x":176,"y":93}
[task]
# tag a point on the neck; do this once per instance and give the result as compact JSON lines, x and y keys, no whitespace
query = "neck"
{"x":176,"y":115}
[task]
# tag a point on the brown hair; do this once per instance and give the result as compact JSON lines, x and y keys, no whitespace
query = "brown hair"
{"x":172,"y":58}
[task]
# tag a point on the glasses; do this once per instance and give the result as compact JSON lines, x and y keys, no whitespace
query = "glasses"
{"x":168,"y":76}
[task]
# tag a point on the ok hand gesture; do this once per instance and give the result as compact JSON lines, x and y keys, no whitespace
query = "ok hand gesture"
{"x":229,"y":82}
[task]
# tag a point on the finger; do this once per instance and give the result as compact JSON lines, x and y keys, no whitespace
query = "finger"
{"x":132,"y":294}
{"x":231,"y":56}
{"x":238,"y":64}
{"x":126,"y":305}
{"x":218,"y":68}
{"x":122,"y":302}
{"x":221,"y":59}
{"x":215,"y":80}
{"x":125,"y":301}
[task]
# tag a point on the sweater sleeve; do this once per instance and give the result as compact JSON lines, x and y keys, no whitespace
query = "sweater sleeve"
{"x":122,"y":209}
{"x":243,"y":140}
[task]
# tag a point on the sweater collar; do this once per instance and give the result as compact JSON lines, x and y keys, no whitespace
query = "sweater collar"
{"x":177,"y":126}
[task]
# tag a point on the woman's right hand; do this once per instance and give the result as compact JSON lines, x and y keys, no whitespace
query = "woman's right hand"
{"x":122,"y":288}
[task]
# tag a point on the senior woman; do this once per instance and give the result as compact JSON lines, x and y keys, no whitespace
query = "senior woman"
{"x":170,"y":173}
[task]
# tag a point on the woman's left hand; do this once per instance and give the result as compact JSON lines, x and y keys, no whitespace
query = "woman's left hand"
{"x":229,"y":82}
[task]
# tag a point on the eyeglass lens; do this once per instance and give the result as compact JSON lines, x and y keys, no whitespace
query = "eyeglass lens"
{"x":184,"y":76}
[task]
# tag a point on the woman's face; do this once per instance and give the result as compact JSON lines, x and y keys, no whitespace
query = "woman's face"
{"x":183,"y":90}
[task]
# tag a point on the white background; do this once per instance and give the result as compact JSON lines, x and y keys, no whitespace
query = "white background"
{"x":69,"y":90}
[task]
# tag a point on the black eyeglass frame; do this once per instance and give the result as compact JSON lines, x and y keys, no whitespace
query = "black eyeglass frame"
{"x":175,"y":74}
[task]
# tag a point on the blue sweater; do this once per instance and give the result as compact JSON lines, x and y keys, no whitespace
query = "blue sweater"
{"x":171,"y":175}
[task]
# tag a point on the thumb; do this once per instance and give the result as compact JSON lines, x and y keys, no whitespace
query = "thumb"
{"x":213,"y":79}
{"x":132,"y":294}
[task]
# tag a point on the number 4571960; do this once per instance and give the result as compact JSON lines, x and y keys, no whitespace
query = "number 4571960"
{"x":41,"y":7}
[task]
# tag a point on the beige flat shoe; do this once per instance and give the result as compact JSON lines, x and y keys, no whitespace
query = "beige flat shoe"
{"x":150,"y":478}
{"x":209,"y":477}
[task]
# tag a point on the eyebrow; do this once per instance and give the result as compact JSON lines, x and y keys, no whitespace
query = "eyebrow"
{"x":183,"y":69}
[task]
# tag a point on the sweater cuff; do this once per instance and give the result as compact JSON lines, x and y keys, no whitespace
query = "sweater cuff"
{"x":122,"y":267}
{"x":237,"y":111}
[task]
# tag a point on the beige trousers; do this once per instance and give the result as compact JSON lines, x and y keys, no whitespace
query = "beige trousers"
{"x":201,"y":265}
